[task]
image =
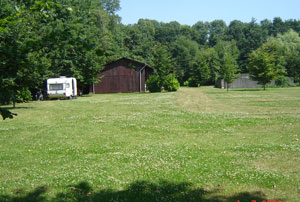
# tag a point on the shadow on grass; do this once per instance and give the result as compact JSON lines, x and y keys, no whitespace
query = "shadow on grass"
{"x":247,"y":89}
{"x":138,"y":191}
{"x":10,"y":108}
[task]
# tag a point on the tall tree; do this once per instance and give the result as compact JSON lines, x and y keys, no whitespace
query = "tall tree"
{"x":217,"y":30}
{"x":162,"y":62}
{"x":206,"y":67}
{"x":41,"y":39}
{"x":290,"y":43}
{"x":19,"y":39}
{"x":201,"y":32}
{"x":266,"y":64}
{"x":184,"y":52}
{"x":228,"y":54}
{"x":111,"y":6}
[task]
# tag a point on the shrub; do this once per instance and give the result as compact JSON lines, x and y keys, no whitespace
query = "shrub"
{"x":186,"y":83}
{"x":23,"y":95}
{"x":170,"y":83}
{"x":154,"y":84}
{"x":193,"y":82}
{"x":282,"y":81}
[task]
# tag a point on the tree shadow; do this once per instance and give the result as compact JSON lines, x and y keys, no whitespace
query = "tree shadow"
{"x":247,"y":89}
{"x":35,"y":196}
{"x":136,"y":192}
{"x":11,"y":108}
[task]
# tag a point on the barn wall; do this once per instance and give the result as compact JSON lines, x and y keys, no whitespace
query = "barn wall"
{"x":123,"y":76}
{"x":118,"y":80}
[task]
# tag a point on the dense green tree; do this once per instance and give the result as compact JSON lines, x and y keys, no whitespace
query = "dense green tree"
{"x":162,"y":62}
{"x":236,"y":31}
{"x":201,"y":70}
{"x":41,"y":39}
{"x":201,"y":33}
{"x":228,"y":54}
{"x":163,"y":66}
{"x":19,"y":40}
{"x":217,"y":30}
{"x":229,"y":69}
{"x":139,"y":40}
{"x":266,"y":63}
{"x":255,"y":36}
{"x":167,"y":32}
{"x":184,"y":51}
{"x":290,"y":44}
{"x":214,"y":64}
{"x":279,"y":27}
{"x":206,"y":68}
{"x":111,"y":6}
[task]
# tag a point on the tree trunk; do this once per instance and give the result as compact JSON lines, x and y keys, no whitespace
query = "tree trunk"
{"x":14,"y":101}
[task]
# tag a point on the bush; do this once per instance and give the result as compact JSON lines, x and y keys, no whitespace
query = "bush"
{"x":170,"y":83}
{"x":154,"y":84}
{"x":193,"y":82}
{"x":23,"y":95}
{"x":186,"y":83}
{"x":282,"y":81}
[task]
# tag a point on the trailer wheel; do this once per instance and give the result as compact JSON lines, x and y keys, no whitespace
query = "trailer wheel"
{"x":70,"y":97}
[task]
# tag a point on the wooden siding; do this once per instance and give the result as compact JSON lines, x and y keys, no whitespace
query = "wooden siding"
{"x":123,"y":76}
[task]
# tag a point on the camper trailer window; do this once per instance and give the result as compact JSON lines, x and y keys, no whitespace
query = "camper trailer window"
{"x":56,"y":86}
{"x":67,"y":85}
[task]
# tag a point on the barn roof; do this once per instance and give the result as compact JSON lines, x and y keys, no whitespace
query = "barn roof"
{"x":136,"y":64}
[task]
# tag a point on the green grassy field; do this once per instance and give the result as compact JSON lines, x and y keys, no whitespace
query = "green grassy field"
{"x":198,"y":144}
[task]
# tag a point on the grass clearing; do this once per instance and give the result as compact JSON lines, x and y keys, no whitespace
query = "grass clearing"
{"x":199,"y":144}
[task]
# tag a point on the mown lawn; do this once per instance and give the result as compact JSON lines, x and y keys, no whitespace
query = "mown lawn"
{"x":198,"y":144}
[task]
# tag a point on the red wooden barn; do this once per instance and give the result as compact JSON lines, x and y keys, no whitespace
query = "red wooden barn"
{"x":123,"y":76}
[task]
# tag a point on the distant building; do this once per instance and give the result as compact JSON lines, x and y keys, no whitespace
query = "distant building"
{"x":123,"y":76}
{"x":244,"y":81}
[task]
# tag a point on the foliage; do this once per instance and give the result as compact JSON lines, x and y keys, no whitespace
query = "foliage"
{"x":163,"y":65}
{"x":162,"y":62}
{"x":282,"y":81}
{"x":193,"y":82}
{"x":42,"y":39}
{"x":228,"y":54}
{"x":290,"y":44}
{"x":206,"y":67}
{"x":6,"y":90}
{"x":170,"y":83}
{"x":111,"y":6}
{"x":154,"y":84}
{"x":184,"y":51}
{"x":217,"y":30}
{"x":23,"y":95}
{"x":266,"y":63}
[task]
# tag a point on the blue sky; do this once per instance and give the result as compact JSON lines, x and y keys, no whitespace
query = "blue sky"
{"x":191,"y":11}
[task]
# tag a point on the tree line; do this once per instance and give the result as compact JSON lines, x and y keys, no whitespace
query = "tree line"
{"x":207,"y":51}
{"x":40,"y":39}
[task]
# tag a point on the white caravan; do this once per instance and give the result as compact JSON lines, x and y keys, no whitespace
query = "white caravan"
{"x":62,"y":87}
